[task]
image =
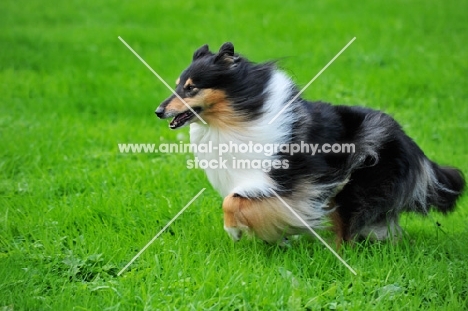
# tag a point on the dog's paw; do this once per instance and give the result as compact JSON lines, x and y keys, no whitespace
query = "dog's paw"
{"x":235,"y":233}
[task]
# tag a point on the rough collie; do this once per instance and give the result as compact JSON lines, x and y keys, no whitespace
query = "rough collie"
{"x":226,"y":99}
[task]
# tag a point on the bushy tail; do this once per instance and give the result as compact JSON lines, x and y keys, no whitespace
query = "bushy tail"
{"x":450,"y":184}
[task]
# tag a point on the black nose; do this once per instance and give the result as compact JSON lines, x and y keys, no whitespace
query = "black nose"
{"x":159,"y":112}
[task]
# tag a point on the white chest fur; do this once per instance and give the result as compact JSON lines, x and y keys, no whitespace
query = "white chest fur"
{"x":238,"y":171}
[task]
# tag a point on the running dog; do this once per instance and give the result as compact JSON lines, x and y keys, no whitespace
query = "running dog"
{"x":226,"y":99}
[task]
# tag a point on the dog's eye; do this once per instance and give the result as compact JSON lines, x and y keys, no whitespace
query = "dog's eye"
{"x":191,"y":88}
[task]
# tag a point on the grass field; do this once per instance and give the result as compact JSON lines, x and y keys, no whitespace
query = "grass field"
{"x":74,"y":211}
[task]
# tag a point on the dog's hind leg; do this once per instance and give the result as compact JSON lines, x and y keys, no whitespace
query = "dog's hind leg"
{"x":387,"y":228}
{"x":339,"y":227}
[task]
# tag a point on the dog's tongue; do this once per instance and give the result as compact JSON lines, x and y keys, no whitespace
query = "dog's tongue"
{"x":180,"y":119}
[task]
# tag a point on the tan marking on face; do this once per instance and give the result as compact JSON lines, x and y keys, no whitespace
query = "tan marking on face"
{"x":176,"y":106}
{"x":188,"y":82}
{"x":177,"y":81}
{"x":217,"y":110}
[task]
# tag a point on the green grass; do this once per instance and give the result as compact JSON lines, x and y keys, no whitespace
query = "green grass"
{"x":73,"y":211}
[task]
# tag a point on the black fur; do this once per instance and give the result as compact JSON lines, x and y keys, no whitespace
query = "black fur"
{"x":382,"y":173}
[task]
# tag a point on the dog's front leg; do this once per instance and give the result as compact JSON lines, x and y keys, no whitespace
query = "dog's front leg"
{"x":231,"y":209}
{"x":259,"y":216}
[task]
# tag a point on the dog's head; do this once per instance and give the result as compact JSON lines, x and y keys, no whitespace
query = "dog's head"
{"x":209,"y":88}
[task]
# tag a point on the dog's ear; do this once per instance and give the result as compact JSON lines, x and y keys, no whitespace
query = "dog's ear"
{"x":226,"y":52}
{"x":202,"y":51}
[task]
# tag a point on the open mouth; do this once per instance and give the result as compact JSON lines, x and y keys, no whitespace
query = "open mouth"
{"x":183,"y":118}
